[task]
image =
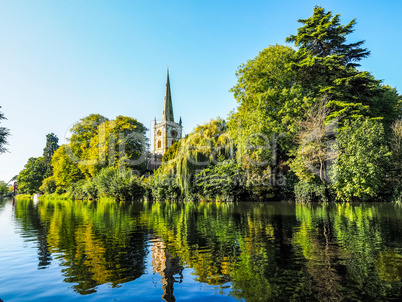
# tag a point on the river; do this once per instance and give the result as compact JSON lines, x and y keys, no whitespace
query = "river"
{"x":60,"y":250}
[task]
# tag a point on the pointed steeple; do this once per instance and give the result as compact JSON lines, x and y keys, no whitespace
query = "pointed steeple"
{"x":167,"y":105}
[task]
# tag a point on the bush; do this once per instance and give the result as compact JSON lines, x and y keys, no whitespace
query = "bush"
{"x":164,"y":187}
{"x":122,"y":185}
{"x":314,"y":191}
{"x":48,"y":185}
{"x":221,"y":182}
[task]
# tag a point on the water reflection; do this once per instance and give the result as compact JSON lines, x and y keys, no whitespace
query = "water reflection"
{"x":277,"y":252}
{"x":167,"y":267}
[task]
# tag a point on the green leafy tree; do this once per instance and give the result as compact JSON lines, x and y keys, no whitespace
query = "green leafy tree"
{"x":363,"y":155}
{"x":220,"y":182}
{"x":30,"y":179}
{"x":269,"y":102}
{"x":395,"y":169}
{"x":207,"y":144}
{"x":323,"y":35}
{"x":65,"y":170}
{"x":3,"y":188}
{"x":326,"y":67}
{"x":119,"y":143}
{"x":82,"y":133}
{"x":52,"y":144}
{"x":4,"y":133}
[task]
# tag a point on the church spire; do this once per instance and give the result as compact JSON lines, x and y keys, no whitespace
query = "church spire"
{"x":167,"y":105}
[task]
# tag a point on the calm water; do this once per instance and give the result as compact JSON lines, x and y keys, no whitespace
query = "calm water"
{"x":82,"y":251}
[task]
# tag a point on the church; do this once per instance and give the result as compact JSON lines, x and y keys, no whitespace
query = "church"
{"x":167,"y":132}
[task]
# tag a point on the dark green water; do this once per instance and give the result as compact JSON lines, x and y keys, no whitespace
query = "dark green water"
{"x":81,"y":251}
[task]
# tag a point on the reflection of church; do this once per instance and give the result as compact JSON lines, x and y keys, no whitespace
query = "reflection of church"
{"x":167,"y":132}
{"x":167,"y":267}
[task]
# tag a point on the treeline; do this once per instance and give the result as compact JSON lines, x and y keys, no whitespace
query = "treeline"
{"x":309,"y":125}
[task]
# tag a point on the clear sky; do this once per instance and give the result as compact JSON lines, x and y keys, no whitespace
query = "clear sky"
{"x":63,"y":60}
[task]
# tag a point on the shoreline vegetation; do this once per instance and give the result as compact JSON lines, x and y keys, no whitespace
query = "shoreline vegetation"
{"x":310,"y":126}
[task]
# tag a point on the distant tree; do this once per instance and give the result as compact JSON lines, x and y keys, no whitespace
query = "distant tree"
{"x":30,"y":179}
{"x":51,"y":146}
{"x":65,"y":171}
{"x":4,"y":133}
{"x":52,"y":142}
{"x":120,"y":143}
{"x":3,"y":188}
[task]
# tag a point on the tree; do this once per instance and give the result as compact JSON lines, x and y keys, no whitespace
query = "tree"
{"x":82,"y":133}
{"x":323,"y":35}
{"x":207,"y":144}
{"x":30,"y":179}
{"x":395,"y":169}
{"x":51,"y":146}
{"x":269,"y":103}
{"x":326,"y":68}
{"x":65,"y":171}
{"x":3,"y":188}
{"x":314,"y":141}
{"x":120,"y":143}
{"x":4,"y":133}
{"x":97,"y":142}
{"x":363,"y":155}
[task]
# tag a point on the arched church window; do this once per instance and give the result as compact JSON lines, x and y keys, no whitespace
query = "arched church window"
{"x":159,"y":144}
{"x":159,"y":133}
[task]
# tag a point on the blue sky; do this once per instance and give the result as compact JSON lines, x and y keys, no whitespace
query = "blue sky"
{"x":63,"y":60}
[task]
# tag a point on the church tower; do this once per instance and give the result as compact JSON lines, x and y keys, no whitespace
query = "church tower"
{"x":167,"y":132}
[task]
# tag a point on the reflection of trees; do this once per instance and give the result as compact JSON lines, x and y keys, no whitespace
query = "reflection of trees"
{"x":32,"y":226}
{"x":96,"y":243}
{"x":341,"y":243}
{"x":225,"y":243}
{"x":253,"y":252}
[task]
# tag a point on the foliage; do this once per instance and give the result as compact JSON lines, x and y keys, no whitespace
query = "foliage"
{"x":207,"y":144}
{"x":323,"y":35}
{"x":269,"y":102}
{"x":121,"y":185}
{"x":98,"y":142}
{"x":30,"y":179}
{"x":110,"y":182}
{"x":360,"y":168}
{"x":4,"y":133}
{"x":65,"y":170}
{"x":220,"y":182}
{"x":3,"y":188}
{"x":312,"y":191}
{"x":326,"y":67}
{"x":48,"y":185}
{"x":172,"y":152}
{"x":95,"y":143}
{"x":395,"y":168}
{"x":51,"y":146}
{"x":314,"y":145}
